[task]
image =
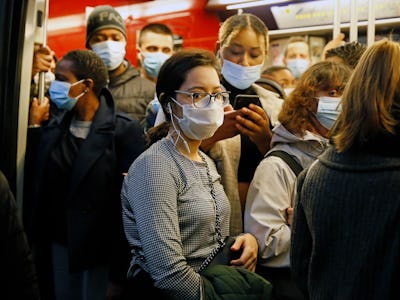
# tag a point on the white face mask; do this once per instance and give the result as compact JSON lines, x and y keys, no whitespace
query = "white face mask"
{"x":200,"y":123}
{"x":112,"y":53}
{"x":239,"y":76}
{"x":328,"y":110}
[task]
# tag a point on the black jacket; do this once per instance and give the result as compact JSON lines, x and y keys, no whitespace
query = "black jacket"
{"x":132,"y":93}
{"x":95,"y":233}
{"x":18,"y":278}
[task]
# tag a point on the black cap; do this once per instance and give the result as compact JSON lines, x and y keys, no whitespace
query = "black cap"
{"x":104,"y":17}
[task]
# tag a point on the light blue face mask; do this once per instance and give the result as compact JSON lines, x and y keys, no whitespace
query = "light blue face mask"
{"x":59,"y":94}
{"x":328,"y":110}
{"x":153,"y":61}
{"x":239,"y":76}
{"x":297,"y":66}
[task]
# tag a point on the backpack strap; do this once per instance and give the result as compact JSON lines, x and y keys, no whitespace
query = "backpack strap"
{"x":287,"y":158}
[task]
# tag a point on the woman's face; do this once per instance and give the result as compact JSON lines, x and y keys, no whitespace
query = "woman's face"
{"x":201,"y":79}
{"x":245,"y":49}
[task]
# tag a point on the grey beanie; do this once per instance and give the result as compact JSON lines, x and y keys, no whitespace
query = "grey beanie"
{"x":102,"y":17}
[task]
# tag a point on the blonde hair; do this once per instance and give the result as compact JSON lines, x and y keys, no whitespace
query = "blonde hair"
{"x":371,"y":100}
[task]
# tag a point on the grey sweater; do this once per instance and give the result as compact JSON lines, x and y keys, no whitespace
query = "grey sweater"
{"x":346,"y":231}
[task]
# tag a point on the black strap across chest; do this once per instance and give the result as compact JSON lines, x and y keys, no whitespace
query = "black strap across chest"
{"x":287,"y":158}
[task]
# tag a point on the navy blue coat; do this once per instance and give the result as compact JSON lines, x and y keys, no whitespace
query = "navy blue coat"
{"x":93,"y":206}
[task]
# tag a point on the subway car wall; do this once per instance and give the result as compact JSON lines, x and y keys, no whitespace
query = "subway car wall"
{"x":192,"y":25}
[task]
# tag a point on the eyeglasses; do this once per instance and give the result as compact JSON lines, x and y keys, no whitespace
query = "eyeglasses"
{"x":203,"y":99}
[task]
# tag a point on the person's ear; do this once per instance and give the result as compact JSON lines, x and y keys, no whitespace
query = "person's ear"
{"x":89,"y":83}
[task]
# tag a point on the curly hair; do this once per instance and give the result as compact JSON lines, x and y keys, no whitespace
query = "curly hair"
{"x":302,"y":103}
{"x":350,"y":53}
{"x":87,"y":64}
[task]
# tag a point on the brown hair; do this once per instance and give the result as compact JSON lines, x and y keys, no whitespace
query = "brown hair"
{"x":301,"y":103}
{"x":371,"y":101}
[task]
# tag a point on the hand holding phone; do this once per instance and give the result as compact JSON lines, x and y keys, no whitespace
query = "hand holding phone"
{"x":245,"y":100}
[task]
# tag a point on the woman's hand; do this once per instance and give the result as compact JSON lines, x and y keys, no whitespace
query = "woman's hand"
{"x":226,"y":130}
{"x":39,"y":113}
{"x":254,"y":123}
{"x":247,"y":244}
{"x":42,"y":60}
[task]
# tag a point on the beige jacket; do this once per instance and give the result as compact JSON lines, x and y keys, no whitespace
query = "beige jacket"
{"x":226,"y":154}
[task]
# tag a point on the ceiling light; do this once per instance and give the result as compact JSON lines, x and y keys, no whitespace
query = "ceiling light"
{"x":255,"y":3}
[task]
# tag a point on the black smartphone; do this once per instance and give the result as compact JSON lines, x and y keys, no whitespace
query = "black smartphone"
{"x":245,"y":100}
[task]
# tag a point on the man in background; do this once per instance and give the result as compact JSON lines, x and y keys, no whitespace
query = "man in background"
{"x":297,"y":56}
{"x":106,"y":35}
{"x":155,"y":46}
{"x":281,"y":75}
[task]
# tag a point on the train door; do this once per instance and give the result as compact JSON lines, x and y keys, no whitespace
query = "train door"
{"x":18,"y":19}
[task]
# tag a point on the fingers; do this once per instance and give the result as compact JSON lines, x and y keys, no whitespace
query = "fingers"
{"x":252,"y":118}
{"x":228,"y":108}
{"x":45,"y":101}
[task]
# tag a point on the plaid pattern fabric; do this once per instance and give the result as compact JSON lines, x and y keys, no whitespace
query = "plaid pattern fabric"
{"x":169,"y":216}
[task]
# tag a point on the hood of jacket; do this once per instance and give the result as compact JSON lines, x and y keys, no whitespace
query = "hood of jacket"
{"x":306,"y":148}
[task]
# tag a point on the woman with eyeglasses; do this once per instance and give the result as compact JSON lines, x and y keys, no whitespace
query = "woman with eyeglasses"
{"x":175,"y":210}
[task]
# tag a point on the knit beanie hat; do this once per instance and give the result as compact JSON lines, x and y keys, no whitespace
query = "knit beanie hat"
{"x":102,"y":17}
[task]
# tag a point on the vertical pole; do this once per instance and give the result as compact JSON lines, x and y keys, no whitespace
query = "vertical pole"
{"x":41,"y":26}
{"x":336,"y":19}
{"x":371,"y":23}
{"x":353,"y":21}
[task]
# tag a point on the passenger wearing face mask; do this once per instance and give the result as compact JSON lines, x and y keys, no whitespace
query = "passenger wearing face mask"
{"x":155,"y":46}
{"x":302,"y":132}
{"x":244,"y":137}
{"x":175,"y":210}
{"x":75,"y":167}
{"x":106,"y":35}
{"x":297,"y":56}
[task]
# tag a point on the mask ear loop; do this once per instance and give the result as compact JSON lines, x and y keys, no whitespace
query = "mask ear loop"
{"x":178,"y":132}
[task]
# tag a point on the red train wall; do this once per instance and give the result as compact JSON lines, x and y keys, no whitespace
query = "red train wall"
{"x":196,"y":26}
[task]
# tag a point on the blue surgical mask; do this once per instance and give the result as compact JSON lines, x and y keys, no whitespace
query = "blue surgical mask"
{"x":239,"y":76}
{"x":112,"y":53}
{"x":328,"y":110}
{"x":153,"y":61}
{"x":59,"y":94}
{"x":297,"y":66}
